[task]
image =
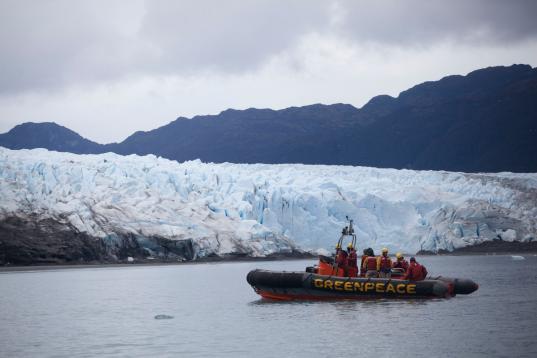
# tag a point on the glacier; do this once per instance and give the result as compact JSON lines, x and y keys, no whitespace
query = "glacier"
{"x":263,"y":209}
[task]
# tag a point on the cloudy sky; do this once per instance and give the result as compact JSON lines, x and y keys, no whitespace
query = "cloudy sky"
{"x":108,"y":68}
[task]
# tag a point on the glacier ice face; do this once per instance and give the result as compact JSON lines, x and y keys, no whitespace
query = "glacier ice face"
{"x":259,"y":209}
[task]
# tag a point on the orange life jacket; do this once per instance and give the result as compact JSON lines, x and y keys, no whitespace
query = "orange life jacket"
{"x":384,"y":263}
{"x":370,"y":263}
{"x":362,"y":265}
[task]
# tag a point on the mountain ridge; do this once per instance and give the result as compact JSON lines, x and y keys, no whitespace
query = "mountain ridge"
{"x":483,"y":121}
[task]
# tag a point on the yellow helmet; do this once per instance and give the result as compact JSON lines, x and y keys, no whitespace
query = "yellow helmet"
{"x":399,"y":255}
{"x":349,"y":246}
{"x":338,"y":246}
{"x":384,"y":250}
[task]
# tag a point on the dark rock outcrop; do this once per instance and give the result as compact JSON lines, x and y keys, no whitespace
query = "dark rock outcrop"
{"x":25,"y":241}
{"x":35,"y":241}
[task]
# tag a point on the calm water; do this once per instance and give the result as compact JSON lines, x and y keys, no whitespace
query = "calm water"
{"x":110,"y":312}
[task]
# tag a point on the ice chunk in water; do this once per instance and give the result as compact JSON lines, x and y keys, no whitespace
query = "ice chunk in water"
{"x":163,"y":316}
{"x":517,"y":258}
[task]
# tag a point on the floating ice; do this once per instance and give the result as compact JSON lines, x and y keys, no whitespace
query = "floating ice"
{"x":517,"y":258}
{"x":163,"y":316}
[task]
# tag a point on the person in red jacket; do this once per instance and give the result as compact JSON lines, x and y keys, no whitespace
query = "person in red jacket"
{"x":401,"y":262}
{"x":415,"y":272}
{"x":341,"y":259}
{"x":352,"y":261}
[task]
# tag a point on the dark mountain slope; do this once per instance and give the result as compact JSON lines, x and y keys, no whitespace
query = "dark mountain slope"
{"x":486,"y":121}
{"x":294,"y":134}
{"x":50,"y":136}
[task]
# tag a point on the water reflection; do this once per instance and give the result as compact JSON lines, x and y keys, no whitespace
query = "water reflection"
{"x":373,"y":302}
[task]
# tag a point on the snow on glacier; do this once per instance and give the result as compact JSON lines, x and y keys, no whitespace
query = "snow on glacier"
{"x":261,"y":209}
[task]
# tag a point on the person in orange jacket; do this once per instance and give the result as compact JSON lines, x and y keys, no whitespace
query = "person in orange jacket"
{"x":352,"y":261}
{"x":384,"y":264}
{"x":362,"y":267}
{"x":415,"y":272}
{"x":369,"y":266}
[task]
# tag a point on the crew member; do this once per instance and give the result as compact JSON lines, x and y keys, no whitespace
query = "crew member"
{"x":341,"y":260}
{"x":362,"y":267}
{"x":352,"y":261}
{"x":370,"y":264}
{"x":401,"y":263}
{"x":415,"y":272}
{"x":384,"y":264}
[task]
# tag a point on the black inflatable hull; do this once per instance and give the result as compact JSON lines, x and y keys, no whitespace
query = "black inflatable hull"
{"x":282,"y":285}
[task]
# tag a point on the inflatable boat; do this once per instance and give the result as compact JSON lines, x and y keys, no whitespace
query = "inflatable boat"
{"x":282,"y":285}
{"x":327,"y":281}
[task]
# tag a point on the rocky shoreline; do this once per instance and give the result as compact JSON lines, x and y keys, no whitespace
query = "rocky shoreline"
{"x":35,"y":241}
{"x":496,"y":246}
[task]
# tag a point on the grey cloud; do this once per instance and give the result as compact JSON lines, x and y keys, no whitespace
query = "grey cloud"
{"x":422,"y":22}
{"x":47,"y":45}
{"x":232,"y":35}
